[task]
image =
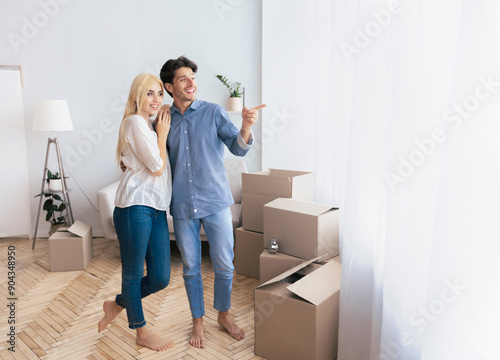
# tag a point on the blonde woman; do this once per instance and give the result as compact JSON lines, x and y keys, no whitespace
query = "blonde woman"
{"x":142,"y":199}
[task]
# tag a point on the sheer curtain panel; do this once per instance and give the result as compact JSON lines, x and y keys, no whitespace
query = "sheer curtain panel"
{"x":420,"y":202}
{"x":397,"y":111}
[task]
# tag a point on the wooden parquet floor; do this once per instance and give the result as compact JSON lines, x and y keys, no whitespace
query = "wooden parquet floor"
{"x":56,"y":313}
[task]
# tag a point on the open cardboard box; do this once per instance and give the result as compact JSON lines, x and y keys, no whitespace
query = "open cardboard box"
{"x":271,"y":265}
{"x":297,"y":313}
{"x":262,"y":187}
{"x":71,"y":248}
{"x":303,"y":229}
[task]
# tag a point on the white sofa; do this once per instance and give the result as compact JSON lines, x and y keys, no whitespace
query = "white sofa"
{"x":106,"y":198}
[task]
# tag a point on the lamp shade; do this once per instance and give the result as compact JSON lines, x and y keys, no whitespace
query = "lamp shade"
{"x":52,"y":115}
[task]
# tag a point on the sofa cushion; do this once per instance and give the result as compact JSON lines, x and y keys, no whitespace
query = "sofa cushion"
{"x":106,"y":204}
{"x":234,"y":168}
{"x":236,"y":215}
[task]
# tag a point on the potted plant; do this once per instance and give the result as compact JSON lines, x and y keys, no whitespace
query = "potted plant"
{"x":54,"y":181}
{"x":55,"y":207}
{"x":234,"y":101}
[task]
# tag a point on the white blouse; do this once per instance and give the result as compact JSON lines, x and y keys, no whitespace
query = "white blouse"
{"x":138,"y":186}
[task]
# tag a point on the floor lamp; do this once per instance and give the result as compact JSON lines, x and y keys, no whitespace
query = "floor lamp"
{"x":53,"y":115}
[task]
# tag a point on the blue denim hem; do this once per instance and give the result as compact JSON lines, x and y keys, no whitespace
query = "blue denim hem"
{"x":134,"y":326}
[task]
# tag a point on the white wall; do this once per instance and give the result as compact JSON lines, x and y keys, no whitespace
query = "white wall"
{"x":88,"y":52}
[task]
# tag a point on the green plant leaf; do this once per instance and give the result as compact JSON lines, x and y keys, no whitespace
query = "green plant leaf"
{"x":234,"y":88}
{"x":51,"y":175}
{"x":47,"y":204}
{"x":51,"y":207}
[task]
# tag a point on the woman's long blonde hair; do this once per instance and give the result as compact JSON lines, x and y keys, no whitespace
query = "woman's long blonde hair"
{"x":138,"y":92}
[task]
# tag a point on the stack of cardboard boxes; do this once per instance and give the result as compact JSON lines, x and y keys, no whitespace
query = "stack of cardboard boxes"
{"x":297,"y":301}
{"x":259,"y":189}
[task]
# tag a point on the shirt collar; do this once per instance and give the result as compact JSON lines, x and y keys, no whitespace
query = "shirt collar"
{"x":194,"y":105}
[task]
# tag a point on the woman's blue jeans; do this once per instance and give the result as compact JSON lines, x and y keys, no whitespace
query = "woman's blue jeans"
{"x":219,"y":230}
{"x":143,"y":236}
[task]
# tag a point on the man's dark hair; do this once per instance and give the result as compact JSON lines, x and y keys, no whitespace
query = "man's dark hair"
{"x":167,"y":72}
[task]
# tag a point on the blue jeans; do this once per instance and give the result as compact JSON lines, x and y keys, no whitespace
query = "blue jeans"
{"x":143,"y":235}
{"x":219,"y":230}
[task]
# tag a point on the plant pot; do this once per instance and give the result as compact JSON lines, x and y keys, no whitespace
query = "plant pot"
{"x":234,"y":104}
{"x":55,"y":185}
{"x":54,"y":227}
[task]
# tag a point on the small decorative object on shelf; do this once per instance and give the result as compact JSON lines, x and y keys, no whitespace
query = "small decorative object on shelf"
{"x":235,"y":102}
{"x":54,"y":181}
{"x":273,"y":247}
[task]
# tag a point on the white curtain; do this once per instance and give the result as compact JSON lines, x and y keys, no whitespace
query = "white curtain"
{"x":15,"y":206}
{"x":407,"y":143}
{"x":420,"y":240}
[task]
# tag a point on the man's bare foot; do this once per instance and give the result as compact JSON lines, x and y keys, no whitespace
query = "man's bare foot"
{"x":198,"y":334}
{"x":111,"y":309}
{"x":225,"y":320}
{"x":145,"y":337}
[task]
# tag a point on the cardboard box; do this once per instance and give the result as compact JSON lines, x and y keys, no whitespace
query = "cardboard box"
{"x":251,"y":211}
{"x":303,"y":229}
{"x":271,"y":265}
{"x":71,"y":248}
{"x":247,"y":248}
{"x":297,"y":313}
{"x":264,"y":186}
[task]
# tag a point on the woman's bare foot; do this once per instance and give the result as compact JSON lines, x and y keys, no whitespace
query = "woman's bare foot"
{"x":111,"y":309}
{"x":198,"y":334}
{"x":225,"y":320}
{"x":146,"y":338}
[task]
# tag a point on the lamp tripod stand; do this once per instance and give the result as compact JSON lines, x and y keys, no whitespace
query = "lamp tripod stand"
{"x":65,"y":190}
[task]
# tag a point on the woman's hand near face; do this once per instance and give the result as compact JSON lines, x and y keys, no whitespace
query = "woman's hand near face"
{"x":162,"y":127}
{"x":162,"y":122}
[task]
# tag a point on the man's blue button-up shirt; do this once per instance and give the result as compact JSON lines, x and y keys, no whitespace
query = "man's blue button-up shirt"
{"x":196,"y":151}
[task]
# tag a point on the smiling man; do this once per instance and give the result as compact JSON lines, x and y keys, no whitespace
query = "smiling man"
{"x":200,"y":191}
